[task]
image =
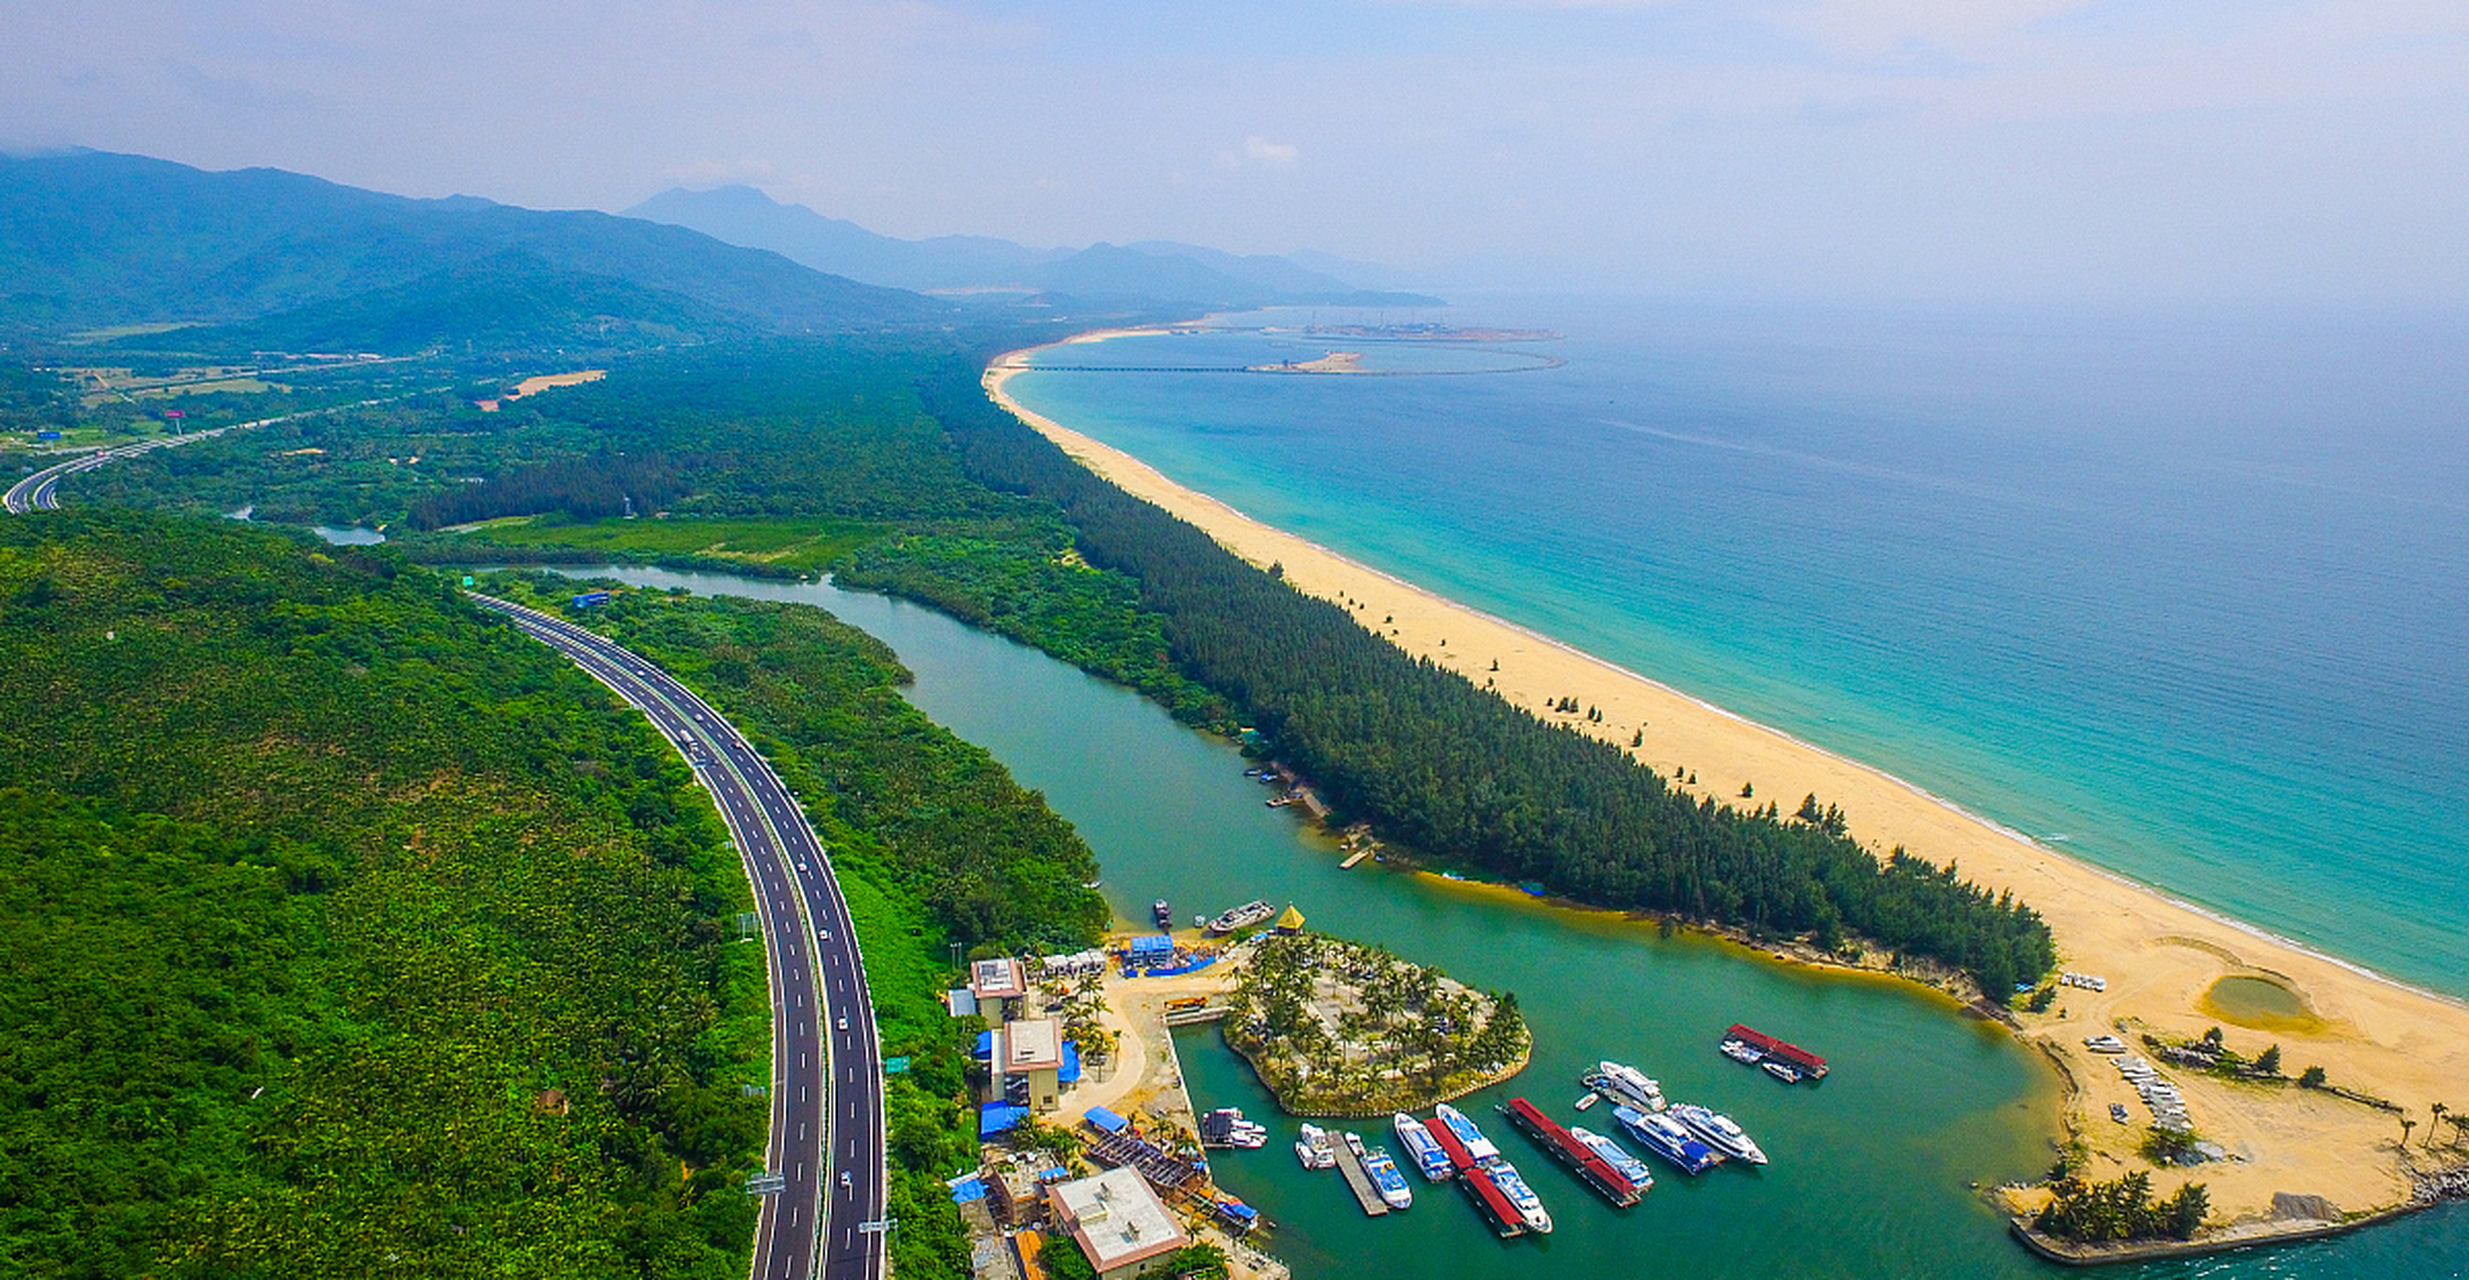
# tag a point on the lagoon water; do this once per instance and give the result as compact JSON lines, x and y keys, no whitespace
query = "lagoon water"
{"x":1871,"y":1167}
{"x":2187,"y":596}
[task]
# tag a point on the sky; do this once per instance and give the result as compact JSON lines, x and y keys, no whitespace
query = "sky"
{"x":2139,"y":150}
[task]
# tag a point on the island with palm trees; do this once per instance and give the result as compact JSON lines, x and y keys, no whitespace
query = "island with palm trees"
{"x":1336,"y":1028}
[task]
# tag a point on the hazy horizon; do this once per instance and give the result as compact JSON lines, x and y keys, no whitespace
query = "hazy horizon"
{"x":2135,"y":150}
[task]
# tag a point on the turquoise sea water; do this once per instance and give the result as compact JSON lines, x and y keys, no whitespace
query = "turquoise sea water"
{"x":2187,"y":596}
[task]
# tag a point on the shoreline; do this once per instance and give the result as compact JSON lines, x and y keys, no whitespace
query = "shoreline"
{"x":2161,"y":954}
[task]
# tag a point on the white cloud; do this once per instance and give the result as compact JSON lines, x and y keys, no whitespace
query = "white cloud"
{"x":1260,"y":150}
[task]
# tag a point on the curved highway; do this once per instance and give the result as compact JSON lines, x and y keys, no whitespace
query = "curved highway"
{"x":41,"y":491}
{"x":827,"y":1073}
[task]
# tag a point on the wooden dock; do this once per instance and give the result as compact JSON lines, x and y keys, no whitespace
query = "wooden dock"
{"x":1366,"y":1194}
{"x":1358,"y":856}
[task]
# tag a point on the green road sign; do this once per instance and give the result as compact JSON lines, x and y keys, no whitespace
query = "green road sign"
{"x":894,"y":1066}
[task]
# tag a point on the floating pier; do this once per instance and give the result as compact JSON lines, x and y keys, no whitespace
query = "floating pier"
{"x":1356,"y":1179}
{"x":1491,"y":1204}
{"x":1358,"y":856}
{"x":1562,"y":1145}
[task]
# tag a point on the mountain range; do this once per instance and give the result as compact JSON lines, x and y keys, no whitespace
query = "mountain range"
{"x":1157,"y":270}
{"x":252,"y":260}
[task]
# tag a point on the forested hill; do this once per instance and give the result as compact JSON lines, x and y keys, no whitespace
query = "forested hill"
{"x":94,"y":239}
{"x":343,"y":924}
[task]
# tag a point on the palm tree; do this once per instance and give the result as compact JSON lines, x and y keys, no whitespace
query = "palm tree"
{"x":2435,"y":1125}
{"x":2406,"y":1124}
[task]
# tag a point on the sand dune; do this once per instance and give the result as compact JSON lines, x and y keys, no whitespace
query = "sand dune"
{"x":2159,"y":956}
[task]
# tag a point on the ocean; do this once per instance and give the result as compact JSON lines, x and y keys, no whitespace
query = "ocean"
{"x":2185,"y":595}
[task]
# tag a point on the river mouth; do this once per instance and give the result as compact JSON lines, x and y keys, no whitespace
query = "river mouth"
{"x":2259,"y":1004}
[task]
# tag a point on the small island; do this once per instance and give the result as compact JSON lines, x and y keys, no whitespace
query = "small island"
{"x":1339,"y":1029}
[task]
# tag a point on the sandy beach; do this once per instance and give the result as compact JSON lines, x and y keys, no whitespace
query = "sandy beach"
{"x":2159,"y":956}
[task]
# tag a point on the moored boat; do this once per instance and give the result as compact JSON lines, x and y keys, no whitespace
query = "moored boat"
{"x":1163,"y":914}
{"x":1720,"y":1132}
{"x":1242,"y":917}
{"x":1383,"y":1168}
{"x":1529,"y":1205}
{"x":1624,"y":1083}
{"x":1780,"y":1071}
{"x":1422,"y":1148}
{"x":1617,"y":1156}
{"x":1668,"y":1138}
{"x":1313,"y":1148}
{"x":1477,"y":1146}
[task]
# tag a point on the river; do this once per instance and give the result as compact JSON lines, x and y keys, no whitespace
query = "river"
{"x":1873,"y":1169}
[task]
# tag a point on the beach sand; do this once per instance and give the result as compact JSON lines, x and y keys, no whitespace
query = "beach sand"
{"x":2159,"y":956}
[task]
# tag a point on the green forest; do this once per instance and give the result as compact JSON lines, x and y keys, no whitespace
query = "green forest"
{"x":350,"y":932}
{"x":975,"y":514}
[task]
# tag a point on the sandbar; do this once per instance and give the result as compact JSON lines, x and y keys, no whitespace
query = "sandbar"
{"x":2158,"y":955}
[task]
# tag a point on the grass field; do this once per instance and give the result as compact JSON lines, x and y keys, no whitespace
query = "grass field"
{"x":789,"y":544}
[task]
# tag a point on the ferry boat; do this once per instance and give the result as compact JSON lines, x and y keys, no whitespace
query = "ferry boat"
{"x":1383,"y":1167}
{"x":1478,"y":1147}
{"x":1624,"y":1083}
{"x":1164,"y":915}
{"x":1669,"y":1139}
{"x":1719,"y":1131}
{"x":1617,"y":1156}
{"x":1242,"y":917}
{"x":1529,"y":1206}
{"x":1423,"y":1148}
{"x":1313,"y":1148}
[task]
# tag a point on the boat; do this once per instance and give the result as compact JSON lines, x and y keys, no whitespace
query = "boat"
{"x":1529,"y":1205}
{"x":1587,"y":1103}
{"x":1383,"y":1167}
{"x":1163,"y":914}
{"x":1617,"y":1156}
{"x":1492,"y":1204}
{"x":1242,"y":917}
{"x":1669,"y":1139}
{"x":1750,"y":1046}
{"x":2104,"y":1044}
{"x":1719,"y":1131}
{"x":1478,"y":1147}
{"x":1226,"y":1127}
{"x":1584,"y":1161}
{"x":1313,"y":1148}
{"x":1780,"y":1071}
{"x":1423,"y":1148}
{"x":1624,"y":1083}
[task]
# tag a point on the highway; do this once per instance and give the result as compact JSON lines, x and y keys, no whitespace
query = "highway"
{"x":827,"y":1128}
{"x":41,"y":491}
{"x":827,"y":1132}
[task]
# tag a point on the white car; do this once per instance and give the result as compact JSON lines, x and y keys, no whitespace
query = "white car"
{"x":844,"y":1022}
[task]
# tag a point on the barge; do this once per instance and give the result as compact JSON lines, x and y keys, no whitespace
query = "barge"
{"x":1491,"y":1204}
{"x":1751,"y":1047}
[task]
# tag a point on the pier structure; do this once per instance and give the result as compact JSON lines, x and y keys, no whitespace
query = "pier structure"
{"x":1357,"y":1180}
{"x":1563,"y":1146}
{"x":1492,"y":1203}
